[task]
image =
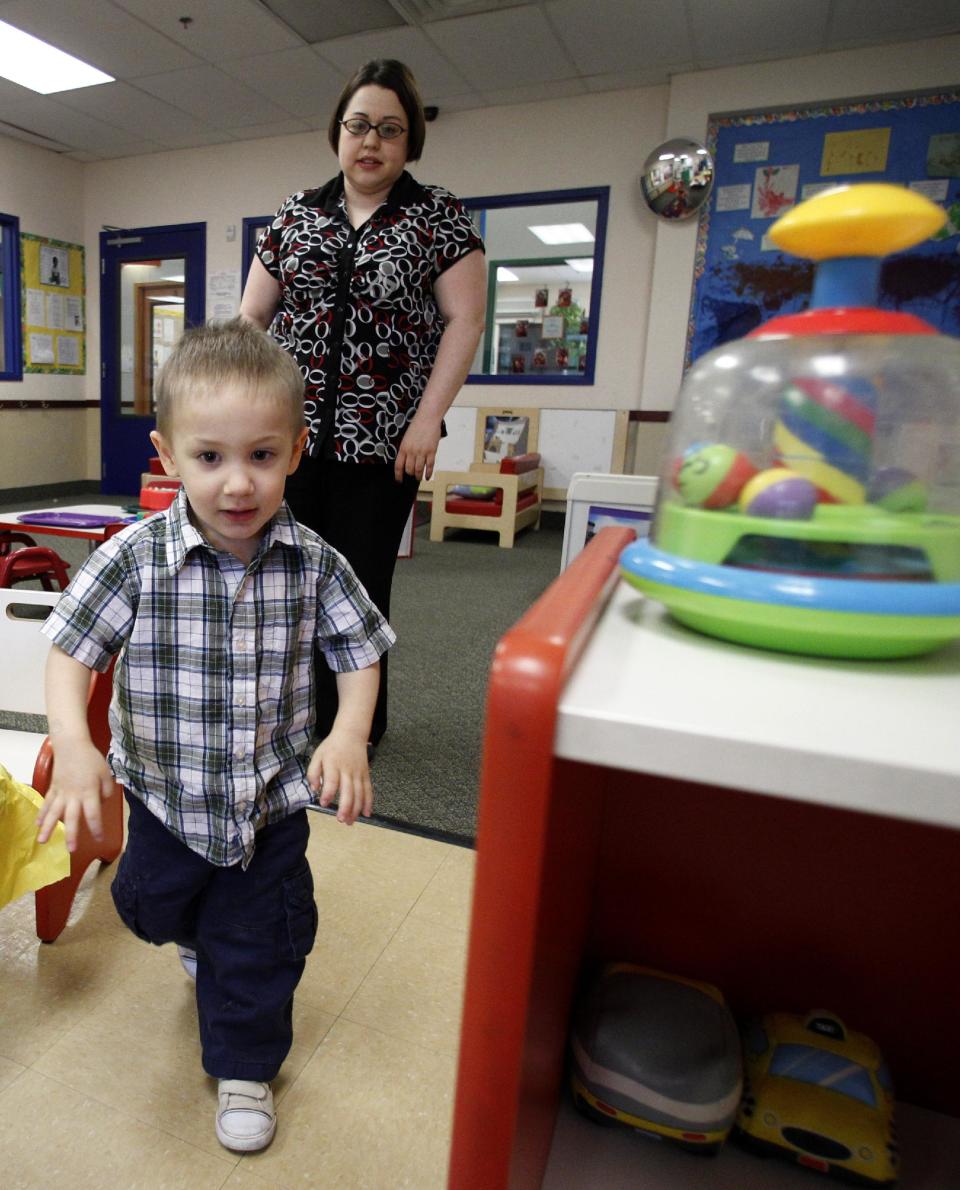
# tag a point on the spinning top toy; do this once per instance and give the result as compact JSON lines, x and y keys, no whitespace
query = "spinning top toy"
{"x":811,"y":497}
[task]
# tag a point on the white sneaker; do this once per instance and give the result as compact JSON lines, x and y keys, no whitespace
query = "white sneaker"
{"x":188,"y":961}
{"x":246,"y":1119}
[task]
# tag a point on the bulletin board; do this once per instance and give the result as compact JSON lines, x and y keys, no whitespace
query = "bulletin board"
{"x":53,"y":305}
{"x":767,"y":162}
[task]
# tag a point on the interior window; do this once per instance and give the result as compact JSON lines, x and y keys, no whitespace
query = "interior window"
{"x":545,"y":267}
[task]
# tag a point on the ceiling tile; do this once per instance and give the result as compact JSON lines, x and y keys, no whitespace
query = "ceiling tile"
{"x":434,"y":74}
{"x":608,"y":35}
{"x":195,"y":136}
{"x":533,"y":92}
{"x":218,"y":28}
{"x":212,"y":96}
{"x":858,"y":22}
{"x":653,"y":76}
{"x":44,"y":117}
{"x":752,"y":30}
{"x":317,"y":20}
{"x":297,"y":80}
{"x":514,"y":47}
{"x":99,"y":33}
{"x":262,"y":131}
{"x":124,"y":106}
{"x":436,"y":10}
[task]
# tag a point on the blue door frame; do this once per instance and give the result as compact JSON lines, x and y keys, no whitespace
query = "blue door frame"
{"x":125,"y":444}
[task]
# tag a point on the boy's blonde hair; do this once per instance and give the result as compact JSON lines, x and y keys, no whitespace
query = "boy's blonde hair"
{"x":207,"y":357}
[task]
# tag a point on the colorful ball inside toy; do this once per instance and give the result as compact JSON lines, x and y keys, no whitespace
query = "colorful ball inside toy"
{"x":712,"y":476}
{"x":825,"y":433}
{"x":897,"y":490}
{"x":781,"y":493}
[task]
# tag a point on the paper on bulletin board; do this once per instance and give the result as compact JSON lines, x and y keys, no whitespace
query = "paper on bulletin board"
{"x":25,"y":864}
{"x":864,"y":151}
{"x":223,"y":294}
{"x":53,"y":281}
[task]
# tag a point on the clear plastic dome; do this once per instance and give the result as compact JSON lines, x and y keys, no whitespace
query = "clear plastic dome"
{"x":830,"y":455}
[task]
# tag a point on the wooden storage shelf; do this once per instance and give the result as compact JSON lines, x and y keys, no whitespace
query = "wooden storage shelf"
{"x":785,"y":827}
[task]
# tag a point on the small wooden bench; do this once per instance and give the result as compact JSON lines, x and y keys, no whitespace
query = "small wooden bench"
{"x":513,"y":499}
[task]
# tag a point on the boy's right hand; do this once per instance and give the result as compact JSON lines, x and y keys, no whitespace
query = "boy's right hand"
{"x":81,"y":779}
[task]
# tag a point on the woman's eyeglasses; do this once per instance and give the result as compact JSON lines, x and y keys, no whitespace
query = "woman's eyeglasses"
{"x":386,"y":129}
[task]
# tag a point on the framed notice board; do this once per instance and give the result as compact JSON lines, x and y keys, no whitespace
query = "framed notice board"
{"x":767,"y":162}
{"x":52,"y":307}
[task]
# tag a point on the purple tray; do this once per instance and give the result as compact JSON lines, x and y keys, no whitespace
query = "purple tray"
{"x":73,"y":520}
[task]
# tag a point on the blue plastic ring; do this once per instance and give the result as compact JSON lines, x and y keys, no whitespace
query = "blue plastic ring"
{"x":791,"y":590}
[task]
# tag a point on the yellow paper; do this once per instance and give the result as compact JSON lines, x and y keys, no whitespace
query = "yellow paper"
{"x":25,"y":864}
{"x":863,"y":151}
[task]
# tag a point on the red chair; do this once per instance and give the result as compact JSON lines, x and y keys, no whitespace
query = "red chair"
{"x":33,"y":562}
{"x":8,"y":538}
{"x":53,"y":903}
{"x":28,"y":756}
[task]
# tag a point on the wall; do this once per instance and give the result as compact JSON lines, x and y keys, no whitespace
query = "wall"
{"x":474,"y":153}
{"x":45,"y":192}
{"x":888,"y":70}
{"x":604,"y":139}
{"x":885,"y":70}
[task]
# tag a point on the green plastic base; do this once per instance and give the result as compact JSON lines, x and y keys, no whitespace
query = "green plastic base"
{"x":810,"y":631}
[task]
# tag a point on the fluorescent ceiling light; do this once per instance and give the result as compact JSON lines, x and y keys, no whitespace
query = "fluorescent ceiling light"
{"x":165,"y":299}
{"x":41,"y":67}
{"x":506,"y":275}
{"x":583,"y":264}
{"x":563,"y":233}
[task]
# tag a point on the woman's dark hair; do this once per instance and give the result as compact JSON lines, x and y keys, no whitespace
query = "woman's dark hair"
{"x":392,"y":76}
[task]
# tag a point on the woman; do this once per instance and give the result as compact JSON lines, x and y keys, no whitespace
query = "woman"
{"x":377,"y":285}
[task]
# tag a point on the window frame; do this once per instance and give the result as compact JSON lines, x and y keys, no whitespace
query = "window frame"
{"x":598,"y":194}
{"x":11,"y":365}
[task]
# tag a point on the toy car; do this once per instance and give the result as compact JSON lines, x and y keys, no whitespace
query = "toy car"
{"x":659,"y":1054}
{"x":818,"y":1094}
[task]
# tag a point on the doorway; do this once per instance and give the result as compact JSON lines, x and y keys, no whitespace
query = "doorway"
{"x":151,"y":289}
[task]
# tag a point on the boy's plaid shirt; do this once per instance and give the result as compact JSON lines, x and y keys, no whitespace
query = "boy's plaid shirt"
{"x":213,"y":703}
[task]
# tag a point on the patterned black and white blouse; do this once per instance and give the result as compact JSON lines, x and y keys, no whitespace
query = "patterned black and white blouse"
{"x":357,"y":309}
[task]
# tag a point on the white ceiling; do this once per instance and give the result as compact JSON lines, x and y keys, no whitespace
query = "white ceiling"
{"x":243,"y":69}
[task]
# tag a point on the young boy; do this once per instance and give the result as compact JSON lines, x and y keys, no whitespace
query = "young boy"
{"x":214,"y":608}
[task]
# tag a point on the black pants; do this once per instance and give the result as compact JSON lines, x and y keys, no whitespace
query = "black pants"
{"x":361,"y":510}
{"x":252,"y":931}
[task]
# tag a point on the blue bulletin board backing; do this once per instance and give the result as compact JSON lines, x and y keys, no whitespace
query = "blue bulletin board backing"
{"x":766,"y":162}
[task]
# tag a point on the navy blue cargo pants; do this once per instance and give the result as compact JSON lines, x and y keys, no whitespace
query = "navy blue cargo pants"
{"x":252,"y":931}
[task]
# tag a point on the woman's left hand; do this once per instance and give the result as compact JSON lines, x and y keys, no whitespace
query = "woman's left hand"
{"x":418,"y":449}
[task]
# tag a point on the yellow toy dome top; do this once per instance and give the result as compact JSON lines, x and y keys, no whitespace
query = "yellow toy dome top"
{"x":868,"y":219}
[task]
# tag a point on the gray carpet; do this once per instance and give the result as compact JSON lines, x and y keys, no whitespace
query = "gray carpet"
{"x":451,"y":604}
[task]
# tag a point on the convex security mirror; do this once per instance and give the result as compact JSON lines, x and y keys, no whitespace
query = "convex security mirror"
{"x":677,"y":178}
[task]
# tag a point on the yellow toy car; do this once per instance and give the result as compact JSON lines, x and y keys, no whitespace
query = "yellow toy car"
{"x":820,"y":1095}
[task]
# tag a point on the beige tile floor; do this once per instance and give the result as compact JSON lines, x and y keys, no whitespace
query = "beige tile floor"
{"x":100,"y":1078}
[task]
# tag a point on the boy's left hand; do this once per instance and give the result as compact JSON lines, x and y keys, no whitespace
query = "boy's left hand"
{"x":339,"y":771}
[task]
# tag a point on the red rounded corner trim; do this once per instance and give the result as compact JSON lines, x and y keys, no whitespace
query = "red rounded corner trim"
{"x":843,"y":320}
{"x":530,"y":665}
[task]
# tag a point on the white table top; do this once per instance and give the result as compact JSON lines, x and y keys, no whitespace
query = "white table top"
{"x":651,"y":696}
{"x":11,"y":520}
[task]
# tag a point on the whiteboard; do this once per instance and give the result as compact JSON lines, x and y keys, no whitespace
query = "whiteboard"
{"x":573,"y":440}
{"x":570,"y":440}
{"x":455,"y":452}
